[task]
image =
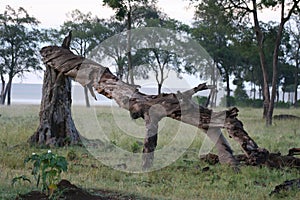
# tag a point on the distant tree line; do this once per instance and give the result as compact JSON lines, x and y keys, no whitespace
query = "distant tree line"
{"x":242,"y":47}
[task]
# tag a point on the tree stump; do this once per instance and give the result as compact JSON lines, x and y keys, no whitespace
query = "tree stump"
{"x":56,"y":127}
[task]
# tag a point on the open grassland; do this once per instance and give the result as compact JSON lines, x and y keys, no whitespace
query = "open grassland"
{"x":183,"y":179}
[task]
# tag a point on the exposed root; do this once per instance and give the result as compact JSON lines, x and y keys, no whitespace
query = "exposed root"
{"x":286,"y":185}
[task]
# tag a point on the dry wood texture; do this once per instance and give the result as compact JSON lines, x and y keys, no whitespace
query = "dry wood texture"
{"x":152,"y":108}
{"x":56,"y":126}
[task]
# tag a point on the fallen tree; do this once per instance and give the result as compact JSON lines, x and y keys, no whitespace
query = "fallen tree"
{"x":152,"y":108}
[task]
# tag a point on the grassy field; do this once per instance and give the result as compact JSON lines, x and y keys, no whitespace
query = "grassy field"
{"x":183,"y":179}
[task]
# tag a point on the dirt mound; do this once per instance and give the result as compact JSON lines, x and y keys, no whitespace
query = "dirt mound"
{"x":68,"y":191}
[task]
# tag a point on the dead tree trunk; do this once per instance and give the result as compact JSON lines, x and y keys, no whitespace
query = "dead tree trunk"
{"x":152,"y":108}
{"x":56,"y":124}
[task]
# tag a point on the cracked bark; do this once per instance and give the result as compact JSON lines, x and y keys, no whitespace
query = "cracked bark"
{"x":150,"y":141}
{"x":56,"y":126}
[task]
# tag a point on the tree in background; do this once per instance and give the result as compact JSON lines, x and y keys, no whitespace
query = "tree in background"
{"x":87,"y":32}
{"x":126,"y":10}
{"x":145,"y":60}
{"x":251,"y":70}
{"x":19,"y":41}
{"x":214,"y":29}
{"x":2,"y":73}
{"x":294,"y":52}
{"x":250,"y":60}
{"x":160,"y":58}
{"x":243,"y":9}
{"x":240,"y":94}
{"x":160,"y":62}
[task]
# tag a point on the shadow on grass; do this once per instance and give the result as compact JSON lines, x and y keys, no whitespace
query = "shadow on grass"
{"x":68,"y":191}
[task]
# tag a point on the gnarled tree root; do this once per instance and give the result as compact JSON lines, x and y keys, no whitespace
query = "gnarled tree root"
{"x":287,"y":185}
{"x":272,"y":160}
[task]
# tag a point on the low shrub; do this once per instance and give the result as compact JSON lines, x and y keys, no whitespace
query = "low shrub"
{"x":282,"y":104}
{"x":201,"y":100}
{"x":231,"y":101}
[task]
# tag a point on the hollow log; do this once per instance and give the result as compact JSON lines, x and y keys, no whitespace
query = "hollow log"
{"x":153,"y":108}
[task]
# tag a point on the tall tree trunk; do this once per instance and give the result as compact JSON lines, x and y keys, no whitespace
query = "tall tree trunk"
{"x":159,"y":86}
{"x":260,"y":41}
{"x":150,"y":141}
{"x":296,"y":80}
{"x":85,"y":88}
{"x":215,"y":99}
{"x":2,"y":88}
{"x":275,"y":62}
{"x":4,"y":95}
{"x":259,"y":92}
{"x":129,"y":56}
{"x":9,"y":85}
{"x":277,"y":94}
{"x":56,"y":124}
{"x":228,"y":103}
{"x":120,"y":72}
{"x":213,"y":91}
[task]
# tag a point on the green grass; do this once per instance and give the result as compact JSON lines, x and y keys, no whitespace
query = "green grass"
{"x":183,"y":179}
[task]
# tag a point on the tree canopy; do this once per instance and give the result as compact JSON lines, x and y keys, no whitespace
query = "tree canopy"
{"x":19,"y":40}
{"x":242,"y":47}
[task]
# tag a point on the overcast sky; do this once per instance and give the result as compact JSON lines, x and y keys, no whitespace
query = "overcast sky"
{"x":52,"y":14}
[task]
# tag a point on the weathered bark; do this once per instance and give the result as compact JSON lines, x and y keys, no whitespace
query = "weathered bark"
{"x":294,"y":151}
{"x":150,"y":141}
{"x":152,"y":108}
{"x":56,"y":124}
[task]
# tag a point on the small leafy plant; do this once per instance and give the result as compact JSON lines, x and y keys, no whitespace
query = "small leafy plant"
{"x":135,"y":147}
{"x":47,"y":167}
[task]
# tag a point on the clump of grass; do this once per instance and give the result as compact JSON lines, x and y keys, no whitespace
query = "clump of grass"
{"x":183,"y":179}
